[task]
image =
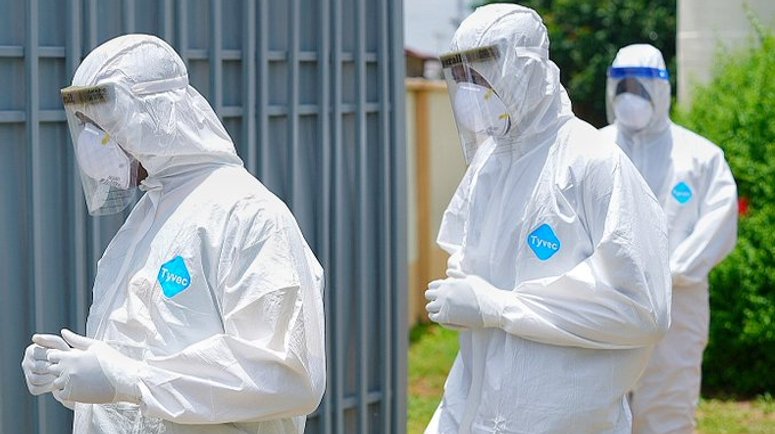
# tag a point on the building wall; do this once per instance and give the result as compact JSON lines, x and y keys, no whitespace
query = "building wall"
{"x":311,"y":92}
{"x":707,"y":26}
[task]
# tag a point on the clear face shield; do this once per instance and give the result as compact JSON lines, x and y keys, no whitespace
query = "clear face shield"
{"x":629,"y":95}
{"x":108,"y":173}
{"x":480,"y":113}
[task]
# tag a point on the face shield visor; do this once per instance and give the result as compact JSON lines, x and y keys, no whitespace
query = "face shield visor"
{"x":480,"y":113}
{"x":630,"y":93}
{"x":108,"y":173}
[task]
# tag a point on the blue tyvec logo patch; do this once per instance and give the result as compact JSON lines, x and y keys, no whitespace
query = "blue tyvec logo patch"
{"x":543,"y":242}
{"x":173,"y":277}
{"x":682,"y":193}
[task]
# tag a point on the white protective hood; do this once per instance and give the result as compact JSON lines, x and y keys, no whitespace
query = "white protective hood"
{"x":636,"y":62}
{"x":528,"y":81}
{"x":166,"y":131}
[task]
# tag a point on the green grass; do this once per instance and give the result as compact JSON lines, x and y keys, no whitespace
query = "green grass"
{"x":432,"y":351}
{"x":718,"y":416}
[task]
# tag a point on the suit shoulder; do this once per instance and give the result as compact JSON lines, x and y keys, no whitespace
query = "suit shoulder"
{"x":586,"y":143}
{"x":694,"y":144}
{"x":609,"y":131}
{"x":244,"y":198}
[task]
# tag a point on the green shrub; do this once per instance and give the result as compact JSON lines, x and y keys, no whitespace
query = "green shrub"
{"x":737,"y":112}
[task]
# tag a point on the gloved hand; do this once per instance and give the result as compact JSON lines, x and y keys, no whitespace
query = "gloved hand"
{"x":93,"y":372}
{"x":464,"y":301}
{"x":35,"y":363}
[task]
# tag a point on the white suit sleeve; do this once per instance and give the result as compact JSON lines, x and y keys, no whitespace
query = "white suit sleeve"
{"x":619,"y":296}
{"x":715,"y":232}
{"x":267,"y":363}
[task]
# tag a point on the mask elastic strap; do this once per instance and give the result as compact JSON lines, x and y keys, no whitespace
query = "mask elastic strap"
{"x":156,"y":86}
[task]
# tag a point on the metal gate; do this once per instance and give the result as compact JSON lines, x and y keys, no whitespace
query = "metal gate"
{"x":311,"y":91}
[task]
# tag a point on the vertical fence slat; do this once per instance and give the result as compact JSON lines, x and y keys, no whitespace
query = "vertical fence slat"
{"x":399,"y":212}
{"x":182,"y":19}
{"x":128,"y":16}
{"x":263,"y":89}
{"x":80,"y":272}
{"x":91,"y":26}
{"x":339,"y":261}
{"x":32,"y":66}
{"x":216,"y":56}
{"x":386,"y":289}
{"x":324,"y":222}
{"x":249,"y":85}
{"x":35,"y":179}
{"x":166,"y":23}
{"x":362,"y":256}
{"x":294,"y":188}
{"x":94,"y":223}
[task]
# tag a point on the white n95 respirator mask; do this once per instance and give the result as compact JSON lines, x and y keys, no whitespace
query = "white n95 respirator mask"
{"x":479,"y":110}
{"x":102,"y":159}
{"x":633,"y":111}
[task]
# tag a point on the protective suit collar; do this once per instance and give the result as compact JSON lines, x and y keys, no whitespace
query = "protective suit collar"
{"x":651,"y":134}
{"x":176,"y":175}
{"x":523,"y":147}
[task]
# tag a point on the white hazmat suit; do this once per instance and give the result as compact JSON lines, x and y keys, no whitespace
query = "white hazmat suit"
{"x":693,"y":183}
{"x":558,"y":275}
{"x":207,"y":314}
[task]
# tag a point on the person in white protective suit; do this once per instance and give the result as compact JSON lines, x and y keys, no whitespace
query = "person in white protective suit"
{"x":691,"y":179}
{"x":207,"y":314}
{"x":558,"y":278}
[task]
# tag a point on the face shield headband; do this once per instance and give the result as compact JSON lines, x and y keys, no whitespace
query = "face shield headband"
{"x":617,"y":73}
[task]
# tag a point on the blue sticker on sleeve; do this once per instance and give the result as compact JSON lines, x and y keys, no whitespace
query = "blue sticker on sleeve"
{"x":174,"y":277}
{"x":544,"y":242}
{"x":682,"y":193}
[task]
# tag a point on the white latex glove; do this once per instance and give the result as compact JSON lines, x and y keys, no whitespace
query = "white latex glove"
{"x":35,"y":363}
{"x":93,"y":372}
{"x":463,"y":301}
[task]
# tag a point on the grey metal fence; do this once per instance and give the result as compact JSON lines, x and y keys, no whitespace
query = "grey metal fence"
{"x":312,"y":93}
